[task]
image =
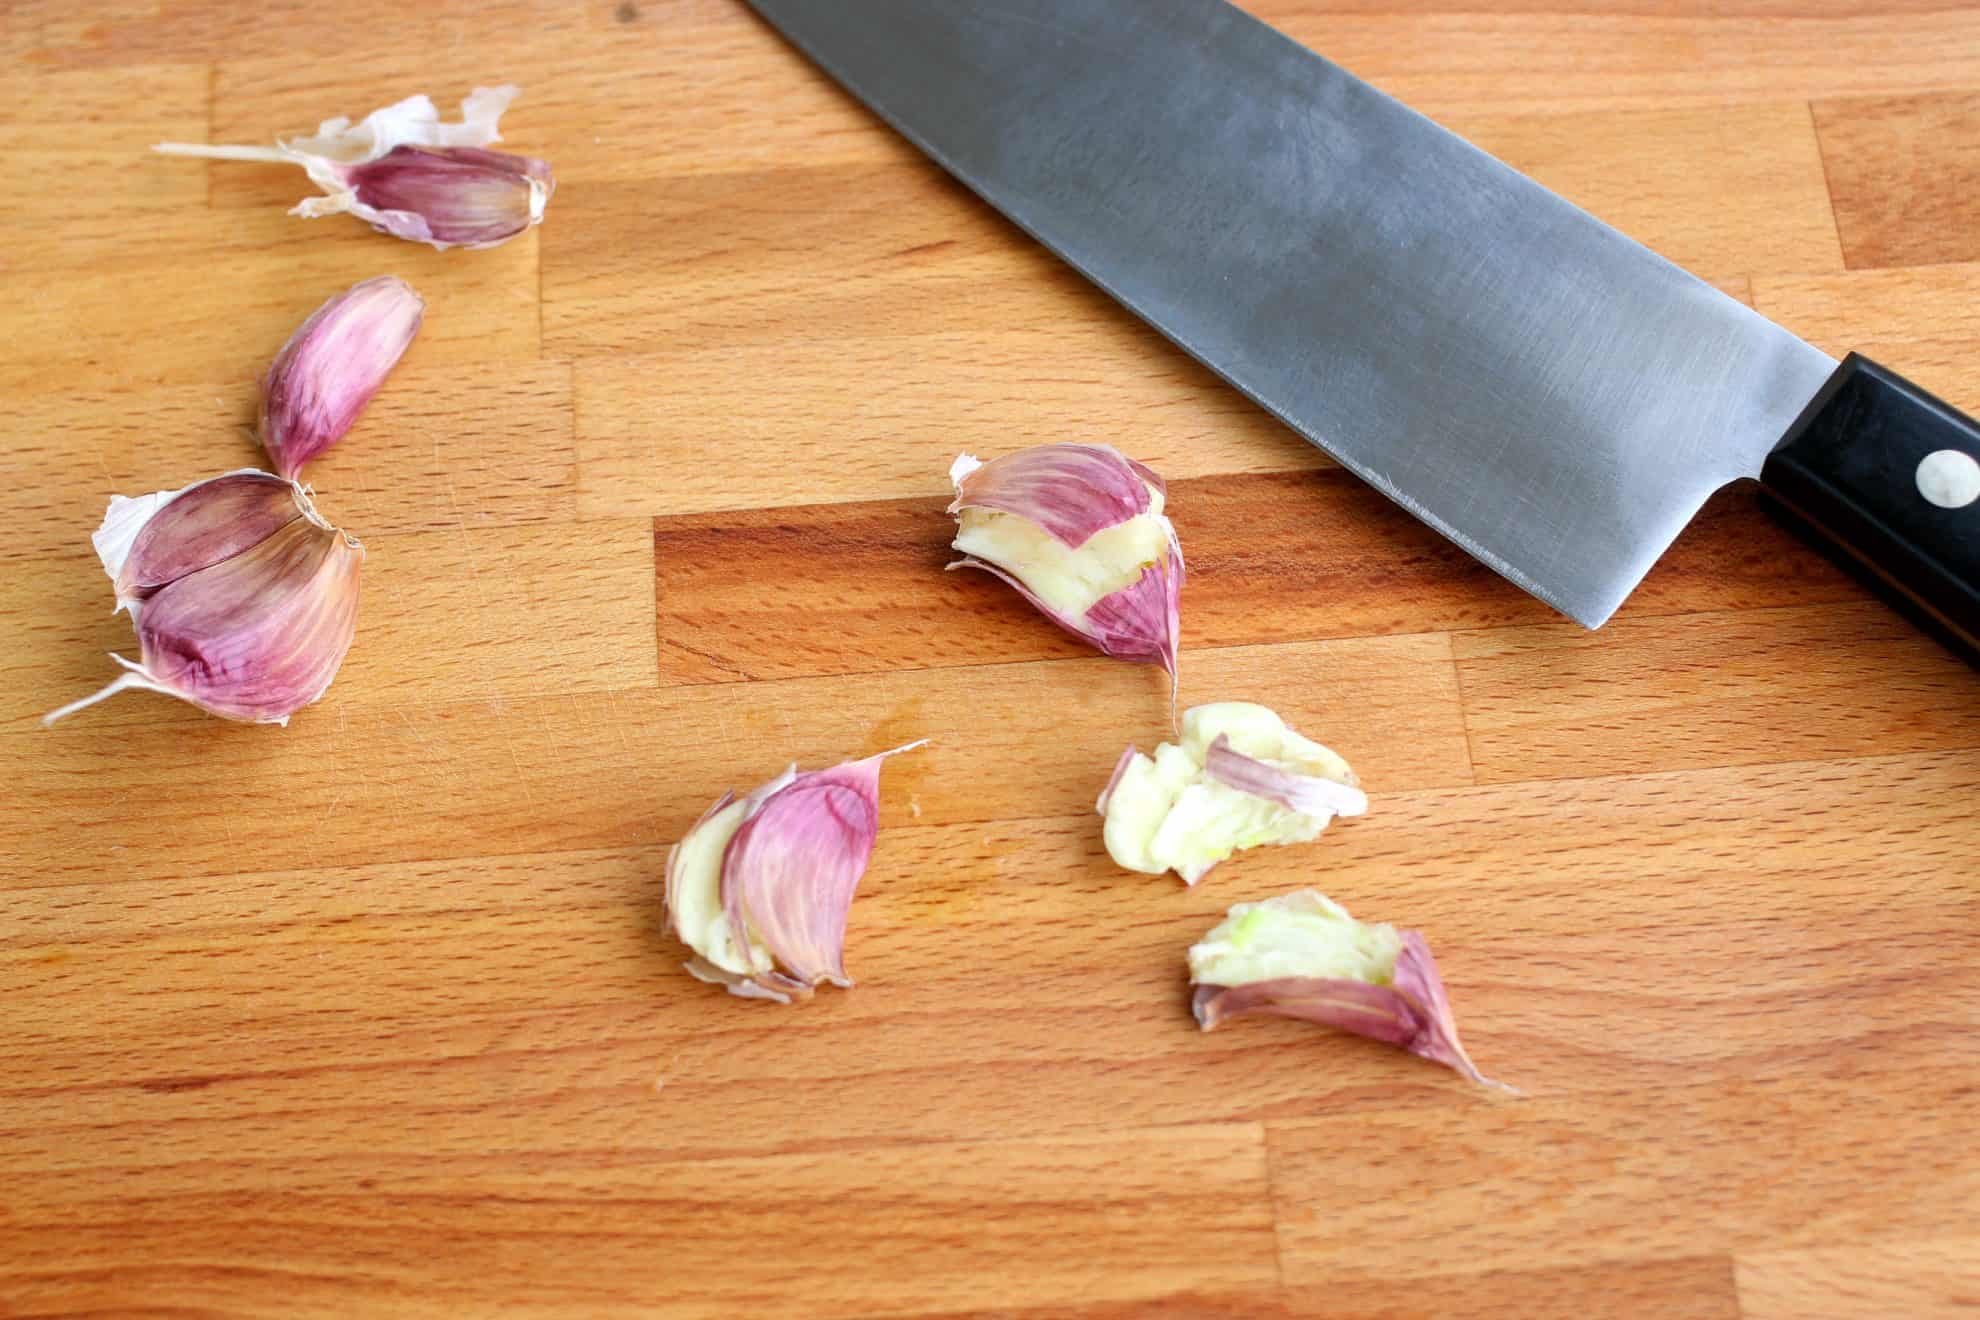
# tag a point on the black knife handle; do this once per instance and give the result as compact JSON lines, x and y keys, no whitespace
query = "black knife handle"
{"x":1849,"y":472}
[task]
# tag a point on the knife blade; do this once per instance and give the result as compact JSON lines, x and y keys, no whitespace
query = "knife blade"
{"x":1549,"y":394}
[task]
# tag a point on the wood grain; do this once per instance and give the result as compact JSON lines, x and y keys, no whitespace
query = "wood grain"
{"x":1725,"y":689}
{"x":1777,"y":1162}
{"x":378,"y":1015}
{"x":1930,"y":1279}
{"x":1906,"y":175}
{"x":1716,"y":189}
{"x":1271,"y":557}
{"x":1923,"y":316}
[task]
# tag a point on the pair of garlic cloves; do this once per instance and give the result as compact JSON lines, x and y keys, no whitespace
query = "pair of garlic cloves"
{"x":243,"y":597}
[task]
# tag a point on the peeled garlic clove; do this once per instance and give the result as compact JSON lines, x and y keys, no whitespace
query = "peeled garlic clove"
{"x":407,"y":174}
{"x":1079,"y":530}
{"x":254,"y":635}
{"x":761,"y":886}
{"x":1238,"y":779}
{"x":333,"y":364}
{"x":1302,"y":956}
{"x":192,"y":529}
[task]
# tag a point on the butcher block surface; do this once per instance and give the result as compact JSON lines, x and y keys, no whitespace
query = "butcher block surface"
{"x":378,"y":1015}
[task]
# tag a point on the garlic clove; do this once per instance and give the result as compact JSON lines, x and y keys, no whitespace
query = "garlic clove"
{"x":450,"y":196}
{"x":1080,"y":531}
{"x":1302,"y":956}
{"x":790,"y":873}
{"x":406,"y":196}
{"x":332,"y":366}
{"x":191,"y":529}
{"x":760,"y":888}
{"x":252,"y":637}
{"x":259,"y":636}
{"x":1239,"y":778}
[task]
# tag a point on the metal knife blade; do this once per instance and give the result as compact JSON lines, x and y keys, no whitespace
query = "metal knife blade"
{"x":1549,"y":394}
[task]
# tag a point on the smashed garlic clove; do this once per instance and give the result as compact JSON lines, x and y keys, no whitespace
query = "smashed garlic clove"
{"x":248,"y":632}
{"x":405,"y":173}
{"x":1238,"y":779}
{"x":1302,"y":956}
{"x":761,"y":886}
{"x":1079,"y":530}
{"x":332,"y":366}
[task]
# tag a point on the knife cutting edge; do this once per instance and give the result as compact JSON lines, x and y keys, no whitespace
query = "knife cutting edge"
{"x":1552,"y":396}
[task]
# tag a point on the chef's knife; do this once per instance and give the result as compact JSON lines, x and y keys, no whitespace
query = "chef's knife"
{"x":1553,"y":397}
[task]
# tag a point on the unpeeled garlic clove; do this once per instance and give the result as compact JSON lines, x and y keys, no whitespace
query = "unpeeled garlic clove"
{"x":761,"y":886}
{"x":451,"y":196}
{"x":331,"y":367}
{"x":1079,"y":530}
{"x":247,"y":627}
{"x":1238,"y":779}
{"x":190,"y":529}
{"x":1302,"y":956}
{"x":407,"y":174}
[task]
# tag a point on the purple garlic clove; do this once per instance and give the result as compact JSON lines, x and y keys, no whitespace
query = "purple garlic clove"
{"x":332,"y":366}
{"x":760,"y":888}
{"x":407,"y":174}
{"x":1302,"y":956}
{"x":1079,"y":530}
{"x":248,"y":621}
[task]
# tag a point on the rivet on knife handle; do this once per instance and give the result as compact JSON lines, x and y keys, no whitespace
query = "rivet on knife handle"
{"x":1871,"y":466}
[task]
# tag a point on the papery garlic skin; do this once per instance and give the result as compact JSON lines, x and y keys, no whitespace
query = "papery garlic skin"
{"x":332,"y":366}
{"x":1238,"y":779}
{"x":1080,"y":531}
{"x":405,"y":173}
{"x":761,"y":886}
{"x":1302,"y":956}
{"x":247,"y":631}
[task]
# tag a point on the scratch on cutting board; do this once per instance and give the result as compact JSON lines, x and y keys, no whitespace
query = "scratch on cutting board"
{"x":522,"y":774}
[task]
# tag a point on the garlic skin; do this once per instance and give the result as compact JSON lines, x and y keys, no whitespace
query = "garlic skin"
{"x":407,"y":174}
{"x":243,"y":598}
{"x":1238,"y":779}
{"x":760,"y":887}
{"x":332,"y":366}
{"x":1302,"y":956}
{"x":1079,"y":530}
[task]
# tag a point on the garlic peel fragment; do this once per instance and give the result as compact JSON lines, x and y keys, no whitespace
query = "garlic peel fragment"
{"x":1302,"y":956}
{"x":1238,"y":778}
{"x":1308,"y":795}
{"x":760,"y":888}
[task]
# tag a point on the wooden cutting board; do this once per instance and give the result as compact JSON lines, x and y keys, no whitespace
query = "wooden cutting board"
{"x":376,"y":1015}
